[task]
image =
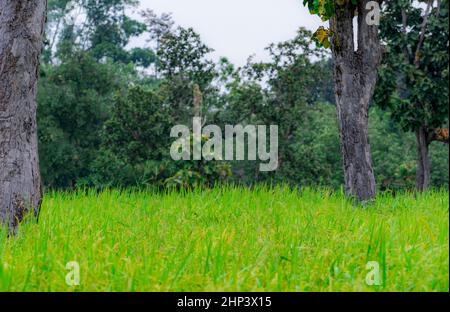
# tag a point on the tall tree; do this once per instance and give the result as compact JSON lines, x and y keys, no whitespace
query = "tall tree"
{"x":74,"y":100}
{"x":21,"y":35}
{"x":101,"y":27}
{"x":183,"y":61}
{"x":414,"y":76}
{"x":157,"y":27}
{"x":355,"y":77}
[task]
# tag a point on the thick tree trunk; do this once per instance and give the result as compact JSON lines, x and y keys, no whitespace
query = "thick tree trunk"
{"x":423,"y":173}
{"x":355,"y":74}
{"x":352,"y":100}
{"x":21,"y":35}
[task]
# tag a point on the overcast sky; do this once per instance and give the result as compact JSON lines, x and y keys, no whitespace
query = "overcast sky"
{"x":237,"y":29}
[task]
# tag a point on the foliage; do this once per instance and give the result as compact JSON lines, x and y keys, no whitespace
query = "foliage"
{"x":414,"y":88}
{"x":102,"y":123}
{"x":73,"y":103}
{"x":284,"y":92}
{"x":183,"y":63}
{"x":135,"y":148}
{"x":134,"y":141}
{"x":104,"y":30}
{"x":195,"y":174}
{"x":182,"y":54}
{"x":325,"y":10}
{"x":414,"y":75}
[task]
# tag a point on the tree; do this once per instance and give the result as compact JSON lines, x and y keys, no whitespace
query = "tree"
{"x":74,"y":100}
{"x":183,"y":62}
{"x":157,"y":27}
{"x":134,"y":141}
{"x":182,"y":54}
{"x":21,"y":32}
{"x":414,"y":74}
{"x":57,"y":10}
{"x":355,"y":77}
{"x":109,"y":30}
{"x":101,"y":27}
{"x":282,"y":92}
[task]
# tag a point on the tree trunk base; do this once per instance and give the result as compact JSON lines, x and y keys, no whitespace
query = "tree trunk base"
{"x":423,"y":174}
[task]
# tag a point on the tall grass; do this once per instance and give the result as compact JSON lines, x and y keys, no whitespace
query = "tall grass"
{"x":230,"y":239}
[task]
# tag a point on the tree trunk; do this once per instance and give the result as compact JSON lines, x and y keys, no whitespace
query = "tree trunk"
{"x":21,"y":35}
{"x":423,"y":173}
{"x":355,"y":75}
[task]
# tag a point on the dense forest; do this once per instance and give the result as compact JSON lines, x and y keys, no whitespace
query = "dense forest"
{"x":105,"y":110}
{"x":128,"y":150}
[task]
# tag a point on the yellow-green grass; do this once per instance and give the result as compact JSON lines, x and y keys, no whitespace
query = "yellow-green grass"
{"x":230,"y":239}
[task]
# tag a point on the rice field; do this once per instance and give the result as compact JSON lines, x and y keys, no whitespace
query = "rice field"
{"x":230,"y":239}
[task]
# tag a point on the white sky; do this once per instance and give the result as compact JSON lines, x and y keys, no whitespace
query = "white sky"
{"x":237,"y":29}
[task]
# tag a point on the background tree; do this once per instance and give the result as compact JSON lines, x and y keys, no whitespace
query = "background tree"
{"x":414,"y":76}
{"x":284,"y":92}
{"x":135,"y":149}
{"x":74,"y":102}
{"x":57,"y":11}
{"x":183,"y":62}
{"x":86,"y":64}
{"x":86,"y":101}
{"x":102,"y":28}
{"x":157,"y":27}
{"x":21,"y":32}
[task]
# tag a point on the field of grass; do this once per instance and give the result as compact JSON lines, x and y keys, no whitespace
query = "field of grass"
{"x":230,"y":239}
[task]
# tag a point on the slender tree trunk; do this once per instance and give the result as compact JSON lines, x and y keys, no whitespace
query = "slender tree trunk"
{"x":355,"y":75}
{"x":21,"y":34}
{"x":423,"y":173}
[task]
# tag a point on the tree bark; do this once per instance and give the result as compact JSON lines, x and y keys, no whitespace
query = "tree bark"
{"x":423,"y":174}
{"x":355,"y":75}
{"x":21,"y":35}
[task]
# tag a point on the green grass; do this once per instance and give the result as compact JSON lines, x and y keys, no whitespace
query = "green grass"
{"x":230,"y":239}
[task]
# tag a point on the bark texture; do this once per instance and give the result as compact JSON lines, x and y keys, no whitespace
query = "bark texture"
{"x":21,"y":35}
{"x":355,"y":74}
{"x":423,"y":161}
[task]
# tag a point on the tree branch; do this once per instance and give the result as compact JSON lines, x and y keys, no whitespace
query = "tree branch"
{"x":422,"y":33}
{"x":404,"y":34}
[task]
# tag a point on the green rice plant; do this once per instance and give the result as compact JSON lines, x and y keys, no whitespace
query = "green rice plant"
{"x":230,"y":239}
